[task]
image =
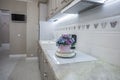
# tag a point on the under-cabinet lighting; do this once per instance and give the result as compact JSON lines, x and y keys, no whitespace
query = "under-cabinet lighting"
{"x":65,"y":18}
{"x":100,"y":1}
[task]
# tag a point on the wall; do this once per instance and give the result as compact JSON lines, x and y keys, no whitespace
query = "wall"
{"x":0,"y":32}
{"x":17,"y":43}
{"x":46,"y":28}
{"x":102,"y":42}
{"x":32,"y":27}
{"x":4,"y":27}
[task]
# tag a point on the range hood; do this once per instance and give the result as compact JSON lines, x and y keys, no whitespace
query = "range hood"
{"x":78,"y":6}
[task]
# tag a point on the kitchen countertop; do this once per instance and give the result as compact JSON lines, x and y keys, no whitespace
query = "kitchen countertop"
{"x":89,"y":70}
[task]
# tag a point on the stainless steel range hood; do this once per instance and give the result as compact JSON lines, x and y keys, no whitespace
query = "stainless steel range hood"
{"x":78,"y":6}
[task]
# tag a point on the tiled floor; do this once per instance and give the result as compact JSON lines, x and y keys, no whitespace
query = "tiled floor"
{"x":18,"y":68}
{"x":6,"y":65}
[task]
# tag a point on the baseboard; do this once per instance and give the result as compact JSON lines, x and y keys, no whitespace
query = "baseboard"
{"x":31,"y":58}
{"x":17,"y":55}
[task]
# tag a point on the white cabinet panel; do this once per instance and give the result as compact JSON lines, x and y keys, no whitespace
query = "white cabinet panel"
{"x":55,"y":6}
{"x":45,"y":68}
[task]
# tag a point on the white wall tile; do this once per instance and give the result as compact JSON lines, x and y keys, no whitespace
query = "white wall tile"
{"x":102,"y":41}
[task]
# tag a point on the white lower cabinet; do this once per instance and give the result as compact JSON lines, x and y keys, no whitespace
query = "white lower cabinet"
{"x":45,"y":68}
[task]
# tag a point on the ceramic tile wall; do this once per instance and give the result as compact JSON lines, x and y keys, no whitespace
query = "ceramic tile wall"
{"x":100,"y":38}
{"x":46,"y":28}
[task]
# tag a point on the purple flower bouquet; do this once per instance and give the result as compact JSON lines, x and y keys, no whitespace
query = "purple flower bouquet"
{"x":64,"y":43}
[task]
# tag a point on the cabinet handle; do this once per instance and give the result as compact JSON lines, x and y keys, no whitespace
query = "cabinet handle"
{"x":51,"y":13}
{"x":45,"y":61}
{"x":45,"y":74}
{"x":64,"y":1}
{"x":56,"y":8}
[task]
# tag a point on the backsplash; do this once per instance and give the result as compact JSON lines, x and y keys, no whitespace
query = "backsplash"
{"x":99,"y":38}
{"x":106,"y":25}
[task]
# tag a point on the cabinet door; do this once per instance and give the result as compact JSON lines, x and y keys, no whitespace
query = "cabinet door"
{"x":38,"y":54}
{"x":57,"y":6}
{"x":60,"y":4}
{"x":46,"y":69}
{"x":51,"y":74}
{"x":49,"y":8}
{"x":41,"y":61}
{"x":52,"y":7}
{"x":64,"y":3}
{"x":42,"y":65}
{"x":48,"y":13}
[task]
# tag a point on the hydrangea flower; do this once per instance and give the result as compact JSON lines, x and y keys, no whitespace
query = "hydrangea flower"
{"x":65,"y":39}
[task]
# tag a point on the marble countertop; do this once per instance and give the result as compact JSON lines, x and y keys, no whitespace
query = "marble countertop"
{"x":89,"y":70}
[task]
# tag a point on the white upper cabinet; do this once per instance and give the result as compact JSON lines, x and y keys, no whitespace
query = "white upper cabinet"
{"x":70,"y":6}
{"x":64,"y":3}
{"x":55,"y":6}
{"x":49,"y":8}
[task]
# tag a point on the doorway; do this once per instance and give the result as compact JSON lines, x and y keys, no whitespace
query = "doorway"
{"x":4,"y":29}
